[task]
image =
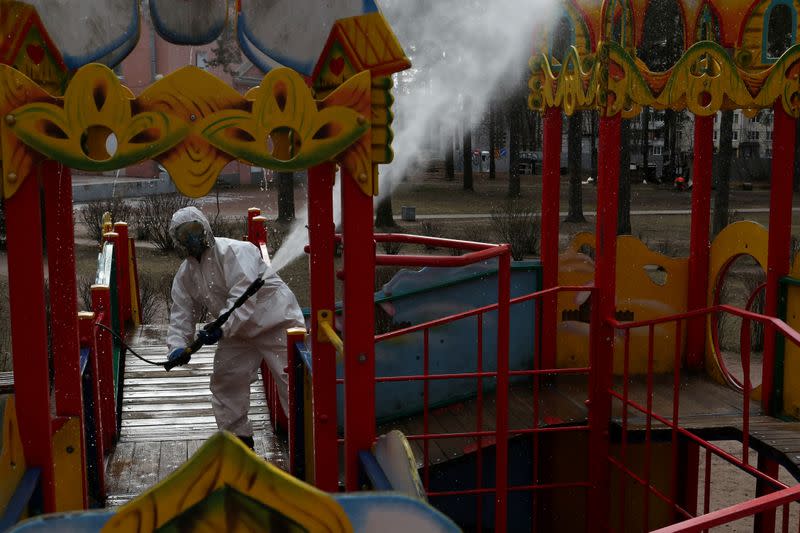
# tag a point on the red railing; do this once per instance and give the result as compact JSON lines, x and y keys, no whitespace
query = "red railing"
{"x":679,"y":499}
{"x":501,"y":433}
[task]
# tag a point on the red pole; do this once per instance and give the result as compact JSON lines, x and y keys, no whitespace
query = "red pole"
{"x":101,"y":305}
{"x":252,"y":213}
{"x":64,"y":314}
{"x":503,"y":333}
{"x":29,"y":331}
{"x":603,"y":309}
{"x":551,"y":190}
{"x":780,"y":234}
{"x":699,"y":245}
{"x":359,"y":332}
{"x":123,"y":273}
{"x":88,"y":340}
{"x":321,"y":246}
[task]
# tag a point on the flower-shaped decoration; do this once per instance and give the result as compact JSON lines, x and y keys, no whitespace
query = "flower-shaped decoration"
{"x":17,"y":159}
{"x":96,"y":130}
{"x":192,"y":94}
{"x":285,"y":130}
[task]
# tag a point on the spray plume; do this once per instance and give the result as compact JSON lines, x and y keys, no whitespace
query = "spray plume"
{"x":463,"y":52}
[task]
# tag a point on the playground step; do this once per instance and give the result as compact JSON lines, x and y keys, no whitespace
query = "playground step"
{"x":166,"y":416}
{"x":6,"y":382}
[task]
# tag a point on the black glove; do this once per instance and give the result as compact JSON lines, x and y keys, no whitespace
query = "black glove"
{"x":210,"y":336}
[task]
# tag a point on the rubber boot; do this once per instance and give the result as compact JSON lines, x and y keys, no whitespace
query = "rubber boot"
{"x":248,"y":441}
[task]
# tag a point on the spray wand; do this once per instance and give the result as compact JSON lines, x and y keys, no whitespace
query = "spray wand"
{"x":198,"y":343}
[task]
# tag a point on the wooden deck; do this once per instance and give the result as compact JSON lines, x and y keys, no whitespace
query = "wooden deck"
{"x":166,"y":416}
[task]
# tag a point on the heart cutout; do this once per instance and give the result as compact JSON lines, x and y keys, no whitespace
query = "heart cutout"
{"x":35,"y":53}
{"x":337,"y":65}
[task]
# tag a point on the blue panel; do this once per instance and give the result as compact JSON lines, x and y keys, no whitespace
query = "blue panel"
{"x":84,"y":359}
{"x":21,"y":498}
{"x":87,"y":32}
{"x":367,"y":511}
{"x":377,"y":477}
{"x":419,"y":297}
{"x":292,"y":33}
{"x":189,"y":22}
{"x":79,"y":522}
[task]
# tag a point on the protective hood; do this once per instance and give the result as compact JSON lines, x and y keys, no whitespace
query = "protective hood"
{"x":184,"y":215}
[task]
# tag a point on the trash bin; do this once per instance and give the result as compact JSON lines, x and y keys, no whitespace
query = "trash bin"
{"x":408,"y":213}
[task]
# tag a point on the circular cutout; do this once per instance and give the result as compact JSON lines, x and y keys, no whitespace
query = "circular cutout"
{"x":99,"y":143}
{"x":284,"y":143}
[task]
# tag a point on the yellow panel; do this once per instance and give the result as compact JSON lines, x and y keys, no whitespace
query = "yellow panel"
{"x":68,"y":465}
{"x":640,"y":296}
{"x":224,"y":460}
{"x":12,"y":459}
{"x":791,"y":363}
{"x":740,"y":238}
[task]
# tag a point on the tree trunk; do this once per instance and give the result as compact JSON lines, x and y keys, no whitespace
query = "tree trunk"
{"x":624,"y":211}
{"x":467,"y":157}
{"x":492,"y":141}
{"x":514,"y":186}
{"x":383,"y":213}
{"x":285,"y":196}
{"x":667,"y":171}
{"x":645,"y":140}
{"x":449,"y":159}
{"x":724,"y":157}
{"x":575,"y":151}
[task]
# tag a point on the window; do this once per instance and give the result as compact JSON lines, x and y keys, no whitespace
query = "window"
{"x":201,"y":60}
{"x":752,"y":135}
{"x":735,"y":135}
{"x":781,"y":27}
{"x":716,"y":134}
{"x":736,"y":118}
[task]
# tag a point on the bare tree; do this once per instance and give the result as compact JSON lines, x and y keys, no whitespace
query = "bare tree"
{"x":624,"y":205}
{"x":575,"y":151}
{"x":723,"y":177}
{"x":285,"y":196}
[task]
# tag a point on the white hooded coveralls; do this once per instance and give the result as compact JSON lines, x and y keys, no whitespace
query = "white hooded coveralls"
{"x":256,"y":331}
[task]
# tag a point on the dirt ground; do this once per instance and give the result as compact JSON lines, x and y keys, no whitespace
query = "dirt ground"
{"x":660,"y":218}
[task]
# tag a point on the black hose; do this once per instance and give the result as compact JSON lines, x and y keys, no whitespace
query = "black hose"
{"x":126,"y":346}
{"x":197,"y":344}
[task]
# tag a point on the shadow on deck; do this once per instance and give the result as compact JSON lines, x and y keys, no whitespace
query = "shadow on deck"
{"x":166,"y":416}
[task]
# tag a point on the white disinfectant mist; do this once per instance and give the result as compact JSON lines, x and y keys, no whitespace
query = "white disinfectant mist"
{"x":464,"y":53}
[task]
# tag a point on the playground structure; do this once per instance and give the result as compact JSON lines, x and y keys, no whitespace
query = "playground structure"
{"x":604,"y":427}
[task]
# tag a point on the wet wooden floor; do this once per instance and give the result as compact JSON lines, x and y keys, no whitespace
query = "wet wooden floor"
{"x":166,"y":416}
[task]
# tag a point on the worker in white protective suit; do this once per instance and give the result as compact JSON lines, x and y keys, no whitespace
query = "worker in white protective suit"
{"x":214,"y":273}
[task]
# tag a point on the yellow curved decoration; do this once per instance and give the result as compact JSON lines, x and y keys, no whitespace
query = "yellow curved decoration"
{"x":192,"y":94}
{"x":223,"y":461}
{"x":285,"y":131}
{"x":357,"y":159}
{"x":705,"y":80}
{"x":96,"y":116}
{"x":737,"y":239}
{"x":16,"y":90}
{"x":648,"y":285}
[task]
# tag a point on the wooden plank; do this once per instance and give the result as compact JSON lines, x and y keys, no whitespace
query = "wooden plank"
{"x":119,"y":463}
{"x":143,"y":472}
{"x":173,"y":455}
{"x":7,"y":382}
